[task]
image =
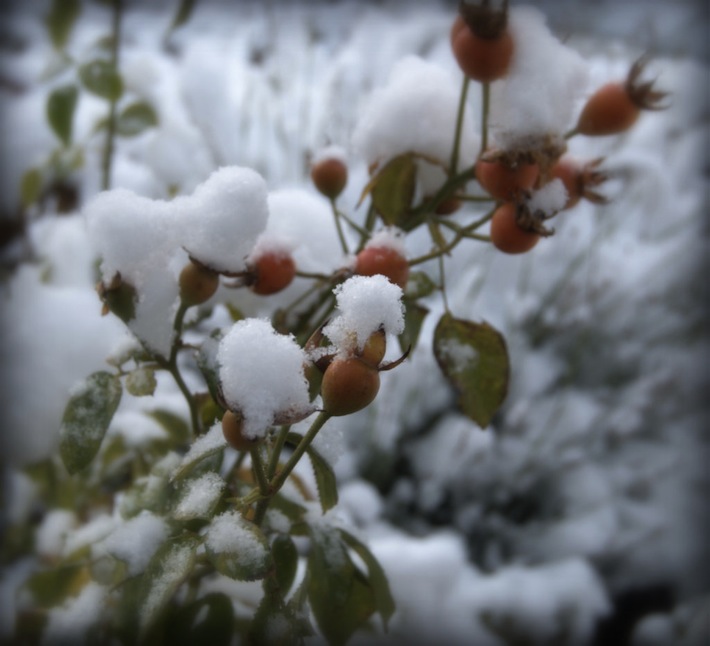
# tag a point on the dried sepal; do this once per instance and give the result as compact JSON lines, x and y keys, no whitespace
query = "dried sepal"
{"x":642,"y":93}
{"x":484,"y":20}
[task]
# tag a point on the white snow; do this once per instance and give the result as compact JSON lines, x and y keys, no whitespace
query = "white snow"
{"x":414,"y":112}
{"x":262,"y":374}
{"x":135,"y":541}
{"x":52,"y":533}
{"x":548,"y":199}
{"x":365,"y":304}
{"x":70,"y":621}
{"x":230,"y":533}
{"x":388,"y":238}
{"x":145,"y":241}
{"x":538,"y":98}
{"x":200,"y":497}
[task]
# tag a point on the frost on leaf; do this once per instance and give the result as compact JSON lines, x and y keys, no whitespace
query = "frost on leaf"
{"x":205,"y":446}
{"x":237,"y":548}
{"x":86,"y":419}
{"x":474,"y":359}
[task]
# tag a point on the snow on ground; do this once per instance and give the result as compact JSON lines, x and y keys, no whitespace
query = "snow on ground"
{"x":593,"y":479}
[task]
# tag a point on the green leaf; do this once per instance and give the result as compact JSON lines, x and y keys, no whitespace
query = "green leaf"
{"x":60,"y":19}
{"x":54,"y":586}
{"x":209,"y":366}
{"x":393,"y":189}
{"x":136,"y":118}
{"x":285,"y":558}
{"x":325,"y":476}
{"x":208,"y":620}
{"x":101,"y":78}
{"x":182,"y":15}
{"x":414,"y":315}
{"x":86,"y":419}
{"x":61,"y":104}
{"x":419,"y":285}
{"x":171,"y":564}
{"x":237,"y":548}
{"x":141,"y":382}
{"x":339,"y":594}
{"x":30,"y":187}
{"x":175,"y":425}
{"x":474,"y":359}
{"x":376,"y":575}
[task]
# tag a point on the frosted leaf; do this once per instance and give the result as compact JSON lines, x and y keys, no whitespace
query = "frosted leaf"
{"x":135,"y":541}
{"x":262,"y":375}
{"x":204,"y":446}
{"x":237,"y":547}
{"x":200,"y":497}
{"x":539,"y":96}
{"x":51,"y":534}
{"x":415,"y":112}
{"x":365,"y":304}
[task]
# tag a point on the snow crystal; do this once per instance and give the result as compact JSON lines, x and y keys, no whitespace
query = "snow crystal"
{"x":135,"y":541}
{"x":230,"y":533}
{"x":262,"y":375}
{"x":415,"y":112}
{"x":539,"y":96}
{"x":70,"y":622}
{"x":200,"y":497}
{"x":548,"y":199}
{"x":366,"y":304}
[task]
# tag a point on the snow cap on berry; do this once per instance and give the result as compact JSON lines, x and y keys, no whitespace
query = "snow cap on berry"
{"x":262,"y":376}
{"x":365,"y":304}
{"x":414,"y":112}
{"x":390,"y":238}
{"x":537,"y":100}
{"x":548,"y":199}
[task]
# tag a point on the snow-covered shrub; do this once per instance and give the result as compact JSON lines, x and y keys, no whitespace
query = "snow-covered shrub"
{"x":264,"y":321}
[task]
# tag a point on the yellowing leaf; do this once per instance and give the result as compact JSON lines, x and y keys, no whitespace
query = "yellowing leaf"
{"x":474,"y":359}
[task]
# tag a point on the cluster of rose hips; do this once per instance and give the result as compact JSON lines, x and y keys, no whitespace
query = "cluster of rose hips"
{"x":484,"y":49}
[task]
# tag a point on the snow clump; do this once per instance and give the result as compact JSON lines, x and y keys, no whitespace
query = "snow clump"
{"x":366,"y":304}
{"x":146,"y":242}
{"x":548,"y":199}
{"x":262,"y":375}
{"x":537,"y":100}
{"x":416,"y":112}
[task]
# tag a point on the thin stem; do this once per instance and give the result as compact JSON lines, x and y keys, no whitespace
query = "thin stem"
{"x":107,"y":159}
{"x":339,"y":227}
{"x":571,"y":133}
{"x":485,"y":109}
{"x":279,"y":479}
{"x":276,"y":451}
{"x":442,"y":285}
{"x":453,"y":165}
{"x":171,"y":366}
{"x":475,"y":198}
{"x":257,"y":465}
{"x":369,"y":226}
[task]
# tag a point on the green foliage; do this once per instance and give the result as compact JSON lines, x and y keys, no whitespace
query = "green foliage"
{"x":101,"y":78}
{"x":392,"y":189}
{"x":474,"y":358}
{"x":61,"y":104}
{"x":30,"y":187}
{"x":86,"y":419}
{"x":325,"y":477}
{"x":60,"y":20}
{"x":135,"y":119}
